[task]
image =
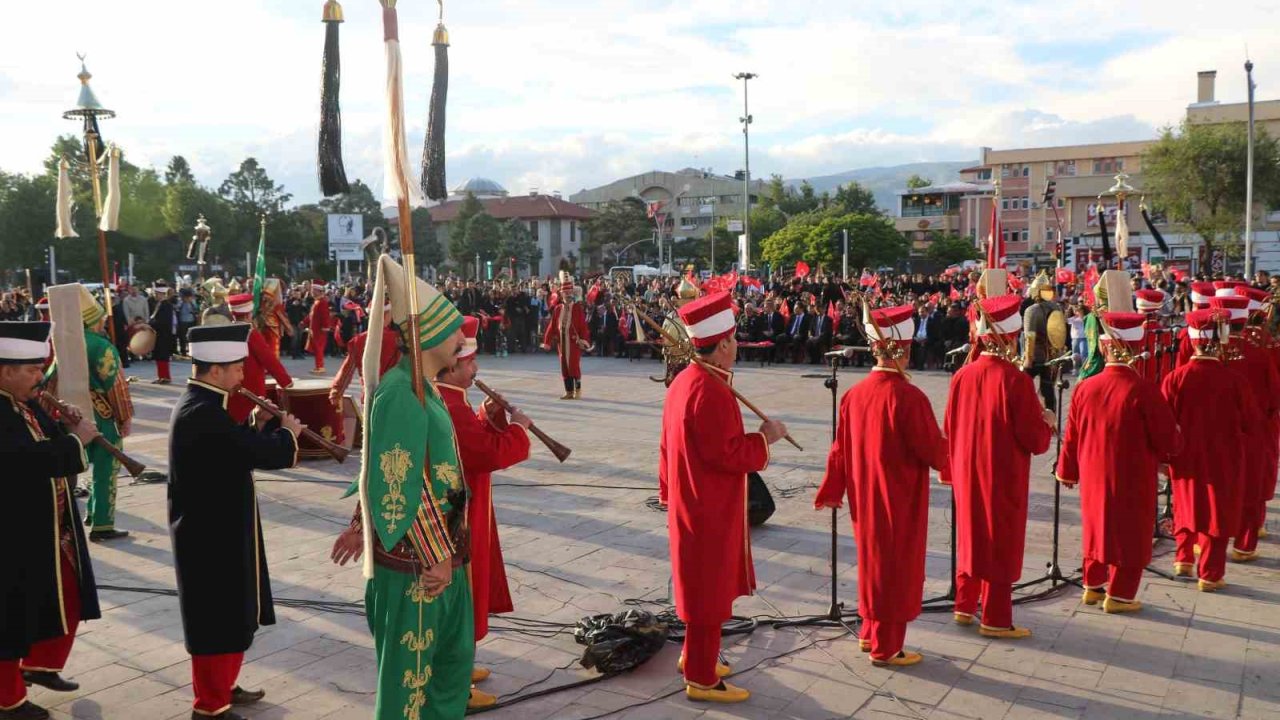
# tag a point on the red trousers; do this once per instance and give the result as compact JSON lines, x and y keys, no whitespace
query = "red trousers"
{"x":1251,"y":518}
{"x":318,"y":342}
{"x":701,"y":653}
{"x":213,"y":677}
{"x":1213,"y":554}
{"x":162,"y":370}
{"x":1122,"y":583}
{"x":997,"y":600}
{"x":49,"y":655}
{"x":886,"y":637}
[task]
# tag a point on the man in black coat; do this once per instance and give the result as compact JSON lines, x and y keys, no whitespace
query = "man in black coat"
{"x":224,"y":590}
{"x":46,"y":579}
{"x":164,"y":320}
{"x":797,"y":333}
{"x":820,"y":334}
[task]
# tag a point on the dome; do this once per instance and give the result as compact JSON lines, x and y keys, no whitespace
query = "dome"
{"x":480,"y":187}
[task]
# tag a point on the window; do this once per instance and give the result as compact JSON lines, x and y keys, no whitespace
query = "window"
{"x":1004,"y":171}
{"x":1064,"y":167}
{"x":1025,"y":235}
{"x":1108,"y":166}
{"x":1061,"y":202}
{"x":984,"y":174}
{"x":1004,"y":203}
{"x":1026,"y":203}
{"x":1026,"y":171}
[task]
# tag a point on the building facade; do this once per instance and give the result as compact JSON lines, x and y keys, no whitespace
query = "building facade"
{"x":554,"y":223}
{"x":694,"y":201}
{"x":959,"y":208}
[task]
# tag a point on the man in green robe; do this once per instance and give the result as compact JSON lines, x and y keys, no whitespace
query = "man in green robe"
{"x":411,"y":521}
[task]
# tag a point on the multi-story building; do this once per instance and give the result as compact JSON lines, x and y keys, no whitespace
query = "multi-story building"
{"x":554,"y":223}
{"x":958,"y":208}
{"x":694,"y":200}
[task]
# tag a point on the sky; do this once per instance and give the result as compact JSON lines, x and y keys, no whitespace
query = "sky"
{"x":571,"y":94}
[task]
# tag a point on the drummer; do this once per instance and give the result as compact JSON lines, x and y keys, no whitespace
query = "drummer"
{"x":260,"y":362}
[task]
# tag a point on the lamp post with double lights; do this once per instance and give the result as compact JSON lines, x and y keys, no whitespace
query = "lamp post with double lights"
{"x":746,"y":77}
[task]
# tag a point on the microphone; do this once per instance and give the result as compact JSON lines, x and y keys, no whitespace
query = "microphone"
{"x":847,"y":352}
{"x":963,"y":349}
{"x":1062,"y":359}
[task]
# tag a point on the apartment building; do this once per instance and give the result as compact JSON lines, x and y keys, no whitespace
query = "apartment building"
{"x":695,"y":200}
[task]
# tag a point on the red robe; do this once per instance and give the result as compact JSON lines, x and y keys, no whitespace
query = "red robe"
{"x":1119,"y":430}
{"x":704,"y":456}
{"x":352,"y":363}
{"x":262,"y":360}
{"x":1207,"y":400}
{"x":570,"y":352}
{"x":994,"y":424}
{"x":317,"y":321}
{"x":1185,"y":351}
{"x":1264,"y":385}
{"x":886,"y":441}
{"x":484,"y":448}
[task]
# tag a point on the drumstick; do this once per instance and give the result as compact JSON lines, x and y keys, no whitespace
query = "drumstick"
{"x":335,"y":450}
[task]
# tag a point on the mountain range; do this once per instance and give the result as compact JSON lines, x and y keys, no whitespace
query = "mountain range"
{"x":885,"y":182}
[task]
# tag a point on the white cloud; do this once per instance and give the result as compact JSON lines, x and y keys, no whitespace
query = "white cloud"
{"x":578,"y":93}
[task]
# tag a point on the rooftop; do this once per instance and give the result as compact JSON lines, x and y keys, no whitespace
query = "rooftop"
{"x":520,"y":206}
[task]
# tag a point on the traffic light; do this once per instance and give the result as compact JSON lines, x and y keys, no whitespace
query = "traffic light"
{"x":1050,"y":187}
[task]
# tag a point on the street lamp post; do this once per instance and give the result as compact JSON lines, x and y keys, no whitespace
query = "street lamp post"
{"x":89,"y":110}
{"x":1248,"y":183}
{"x":745,"y":77}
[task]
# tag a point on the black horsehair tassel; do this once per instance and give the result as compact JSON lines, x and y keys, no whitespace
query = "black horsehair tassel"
{"x":1106,"y":244}
{"x":1155,"y":234}
{"x":333,"y":176}
{"x":433,"y":150}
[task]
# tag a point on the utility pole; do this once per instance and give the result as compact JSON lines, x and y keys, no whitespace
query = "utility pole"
{"x":745,"y":77}
{"x":1248,"y":183}
{"x":844,"y":272}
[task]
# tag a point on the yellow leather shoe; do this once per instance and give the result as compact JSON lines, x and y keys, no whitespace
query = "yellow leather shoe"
{"x":902,"y":659}
{"x":722,"y":670}
{"x":1112,"y":605}
{"x":1181,"y":569}
{"x":864,"y":645}
{"x":962,"y":618}
{"x":1009,"y":633}
{"x":1211,"y":585}
{"x":479,"y":674}
{"x":1262,"y":532}
{"x":1241,"y":556}
{"x":1092,"y":597}
{"x":480,"y":700}
{"x":722,"y":693}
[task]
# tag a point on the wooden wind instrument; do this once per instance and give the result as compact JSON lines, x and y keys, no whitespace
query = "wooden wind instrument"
{"x":47,"y":400}
{"x":335,"y":450}
{"x":560,"y":451}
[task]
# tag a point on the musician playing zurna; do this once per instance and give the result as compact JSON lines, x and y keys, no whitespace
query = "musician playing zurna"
{"x":704,"y":457}
{"x":567,"y":333}
{"x":261,"y":361}
{"x":489,"y":440}
{"x":886,"y":442}
{"x":1118,"y":431}
{"x":994,"y":424}
{"x":224,"y":589}
{"x":46,"y":578}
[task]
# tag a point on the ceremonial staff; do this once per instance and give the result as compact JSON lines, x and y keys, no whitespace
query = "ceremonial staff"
{"x":89,"y":110}
{"x":703,"y":363}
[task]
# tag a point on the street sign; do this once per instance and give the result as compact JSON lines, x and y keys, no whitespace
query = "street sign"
{"x":345,"y":235}
{"x":735,"y":226}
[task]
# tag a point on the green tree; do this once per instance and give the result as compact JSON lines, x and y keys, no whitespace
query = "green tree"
{"x":26,"y":221}
{"x":916,"y":182}
{"x":616,"y":225}
{"x":426,"y":245}
{"x":178,"y":171}
{"x":854,"y":198}
{"x":788,"y":244}
{"x":951,"y":250}
{"x":516,"y":242}
{"x":250,"y":192}
{"x":1197,"y":174}
{"x":873,"y":241}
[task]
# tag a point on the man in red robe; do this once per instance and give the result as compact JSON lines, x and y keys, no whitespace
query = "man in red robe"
{"x":994,"y":423}
{"x":317,"y":323}
{"x":488,"y":441}
{"x":704,"y":456}
{"x":1119,"y":431}
{"x":262,"y":361}
{"x":1253,"y":362}
{"x":1201,"y":294}
{"x":351,"y":364}
{"x":886,"y":441}
{"x":1149,"y":304}
{"x":1207,"y":400}
{"x":1259,"y":345}
{"x":568,"y":334}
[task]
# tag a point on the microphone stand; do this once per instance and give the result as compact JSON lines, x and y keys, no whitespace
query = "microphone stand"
{"x":1053,"y":571}
{"x":836,"y":613}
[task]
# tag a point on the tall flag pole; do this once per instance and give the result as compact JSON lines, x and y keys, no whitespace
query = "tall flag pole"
{"x":1248,"y":181}
{"x":396,"y":181}
{"x":260,"y":267}
{"x":995,"y":241}
{"x":333,"y":174}
{"x":433,"y":182}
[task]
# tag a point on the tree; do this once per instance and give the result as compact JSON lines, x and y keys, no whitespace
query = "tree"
{"x":178,"y":171}
{"x":1197,"y":174}
{"x":854,"y":198}
{"x":873,"y":241}
{"x":516,"y":242}
{"x":788,"y":244}
{"x":616,"y":225}
{"x":951,"y":250}
{"x":916,"y":182}
{"x":479,"y":234}
{"x":251,"y":193}
{"x":426,"y":245}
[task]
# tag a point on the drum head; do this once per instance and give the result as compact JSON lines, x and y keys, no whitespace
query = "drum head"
{"x":142,"y":340}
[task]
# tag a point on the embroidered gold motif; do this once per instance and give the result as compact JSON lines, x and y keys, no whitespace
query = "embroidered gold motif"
{"x":327,"y":433}
{"x":417,"y":698}
{"x":101,"y":406}
{"x":417,"y":642}
{"x":395,"y":464}
{"x":106,"y":365}
{"x":448,"y":472}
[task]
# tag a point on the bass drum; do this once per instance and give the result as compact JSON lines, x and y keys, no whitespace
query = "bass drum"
{"x":308,"y":400}
{"x":142,"y":339}
{"x":760,"y":505}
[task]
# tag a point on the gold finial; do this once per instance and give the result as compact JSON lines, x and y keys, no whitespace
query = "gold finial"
{"x":1122,"y":187}
{"x":441,"y":35}
{"x":332,"y":12}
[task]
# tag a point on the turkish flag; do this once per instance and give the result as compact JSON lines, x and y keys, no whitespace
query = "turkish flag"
{"x":954,"y":294}
{"x":802,"y":269}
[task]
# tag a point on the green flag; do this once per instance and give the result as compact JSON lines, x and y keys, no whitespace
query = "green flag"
{"x":260,"y":268}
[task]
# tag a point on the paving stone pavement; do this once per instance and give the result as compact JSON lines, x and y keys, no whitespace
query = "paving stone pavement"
{"x":579,"y":540}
